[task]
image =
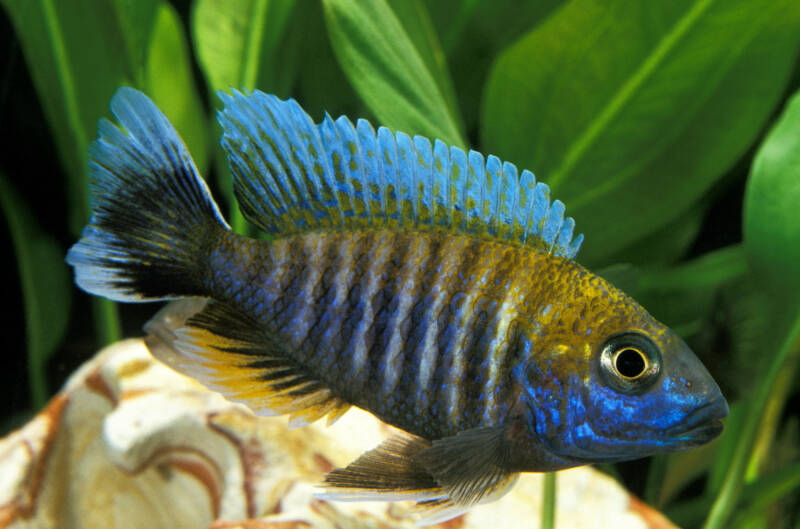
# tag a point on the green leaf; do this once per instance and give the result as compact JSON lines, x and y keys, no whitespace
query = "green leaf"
{"x":707,"y":271}
{"x":771,"y":213}
{"x":321,"y":85}
{"x":492,"y":23}
{"x":73,"y":52}
{"x":170,"y":83}
{"x":473,"y":32}
{"x":682,"y":295}
{"x":414,"y":17}
{"x":237,"y":41}
{"x":772,"y":240}
{"x":758,"y":496}
{"x":78,"y":54}
{"x":631,"y":110}
{"x":136,"y":19}
{"x":668,"y":243}
{"x":237,"y":44}
{"x":45,"y":287}
{"x":388,"y":69}
{"x":766,"y":491}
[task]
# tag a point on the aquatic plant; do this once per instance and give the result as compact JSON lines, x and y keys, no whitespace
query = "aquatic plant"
{"x":662,"y":125}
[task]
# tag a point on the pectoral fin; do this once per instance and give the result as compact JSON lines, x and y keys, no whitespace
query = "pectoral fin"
{"x":470,"y":465}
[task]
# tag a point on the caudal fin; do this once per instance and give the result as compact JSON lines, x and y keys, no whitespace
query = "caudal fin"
{"x":152,"y":213}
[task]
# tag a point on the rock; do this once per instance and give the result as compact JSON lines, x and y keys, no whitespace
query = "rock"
{"x":128,"y":443}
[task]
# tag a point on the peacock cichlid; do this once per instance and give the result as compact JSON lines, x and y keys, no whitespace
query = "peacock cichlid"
{"x":432,"y":287}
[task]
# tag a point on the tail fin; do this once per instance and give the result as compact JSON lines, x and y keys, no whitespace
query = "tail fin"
{"x":152,"y":213}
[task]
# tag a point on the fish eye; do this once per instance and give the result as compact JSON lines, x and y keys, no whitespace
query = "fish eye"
{"x":630,"y":363}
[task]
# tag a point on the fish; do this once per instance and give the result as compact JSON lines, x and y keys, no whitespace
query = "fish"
{"x":434,"y":287}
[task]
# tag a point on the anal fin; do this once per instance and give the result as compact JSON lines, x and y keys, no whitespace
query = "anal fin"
{"x":439,"y":510}
{"x":228,"y":351}
{"x":445,"y":477}
{"x":389,"y":472}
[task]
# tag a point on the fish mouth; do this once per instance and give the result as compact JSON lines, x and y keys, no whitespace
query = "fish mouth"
{"x":701,"y":434}
{"x":701,"y":425}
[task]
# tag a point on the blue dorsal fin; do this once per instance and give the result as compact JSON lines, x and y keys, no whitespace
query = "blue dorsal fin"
{"x":292,"y":175}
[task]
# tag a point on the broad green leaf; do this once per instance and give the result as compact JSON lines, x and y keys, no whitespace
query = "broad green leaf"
{"x":175,"y":93}
{"x":772,"y":212}
{"x":73,"y":52}
{"x":667,"y":244}
{"x":387,"y":69}
{"x":772,"y":240}
{"x":708,"y":271}
{"x":631,"y":110}
{"x":78,"y":54}
{"x":321,"y":85}
{"x":489,"y":24}
{"x":136,"y":19}
{"x":237,"y":41}
{"x":472,"y":33}
{"x":237,"y":44}
{"x":45,"y":287}
{"x":413,"y":16}
{"x":681,"y":295}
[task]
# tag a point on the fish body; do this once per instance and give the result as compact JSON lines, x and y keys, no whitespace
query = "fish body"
{"x":432,"y":287}
{"x":422,"y":329}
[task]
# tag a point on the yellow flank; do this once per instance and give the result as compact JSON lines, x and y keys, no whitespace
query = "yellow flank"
{"x":413,"y":324}
{"x":571,"y":311}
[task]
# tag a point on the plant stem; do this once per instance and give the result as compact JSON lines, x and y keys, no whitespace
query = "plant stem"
{"x":549,"y":501}
{"x":731,"y":489}
{"x":655,"y":479}
{"x":107,"y":326}
{"x":106,"y":321}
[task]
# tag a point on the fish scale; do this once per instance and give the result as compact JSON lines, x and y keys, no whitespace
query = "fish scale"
{"x":431,"y":286}
{"x":306,"y":283}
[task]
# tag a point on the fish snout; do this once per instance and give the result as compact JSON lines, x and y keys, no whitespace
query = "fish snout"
{"x":702,"y":424}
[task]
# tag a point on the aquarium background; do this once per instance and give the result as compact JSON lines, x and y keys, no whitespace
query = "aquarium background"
{"x":670,"y":129}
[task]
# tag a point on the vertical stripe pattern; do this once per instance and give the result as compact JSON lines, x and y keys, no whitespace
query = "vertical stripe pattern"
{"x":414,"y":327}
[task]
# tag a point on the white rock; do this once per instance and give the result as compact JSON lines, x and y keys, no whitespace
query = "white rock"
{"x":130,"y":444}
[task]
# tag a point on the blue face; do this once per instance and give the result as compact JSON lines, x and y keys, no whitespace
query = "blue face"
{"x":630,"y":398}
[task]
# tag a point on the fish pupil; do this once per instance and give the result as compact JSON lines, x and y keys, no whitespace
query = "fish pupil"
{"x":630,"y":363}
